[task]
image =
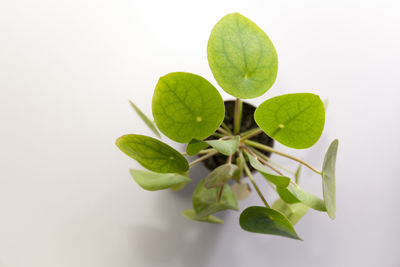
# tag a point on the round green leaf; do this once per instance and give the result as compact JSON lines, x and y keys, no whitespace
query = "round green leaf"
{"x":328,"y":179}
{"x":186,"y":106}
{"x":205,"y":201}
{"x":294,"y":120}
{"x":266,"y":221}
{"x":152,"y":154}
{"x":191,"y":214}
{"x":156,"y":181}
{"x":242,"y":58}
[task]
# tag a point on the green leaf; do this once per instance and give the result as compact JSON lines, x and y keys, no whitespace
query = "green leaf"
{"x":220,"y":175}
{"x":146,"y":120}
{"x":294,"y":212}
{"x":266,"y":221}
{"x":191,"y":215}
{"x":205,"y":201}
{"x":178,"y":187}
{"x":280,"y":181}
{"x":294,"y":120}
{"x":152,"y":154}
{"x":297,"y":174}
{"x":242,"y":58}
{"x":186,"y":106}
{"x":226,"y":147}
{"x":328,"y":179}
{"x":294,"y":194}
{"x":156,"y":181}
{"x":241,"y":190}
{"x":195,"y":146}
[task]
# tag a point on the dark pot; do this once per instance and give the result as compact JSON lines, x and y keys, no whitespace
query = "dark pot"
{"x":248,"y":123}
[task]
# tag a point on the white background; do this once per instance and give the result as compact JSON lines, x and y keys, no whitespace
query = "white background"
{"x":67,"y":69}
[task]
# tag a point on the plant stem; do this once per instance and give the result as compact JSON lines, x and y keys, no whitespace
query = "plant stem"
{"x":270,"y":149}
{"x":220,"y":192}
{"x":237,"y":120}
{"x":205,"y":151}
{"x":209,"y":155}
{"x":223,"y":131}
{"x":218,"y":135}
{"x":261,"y":155}
{"x":250,"y":134}
{"x":226,"y":128}
{"x":265,"y":162}
{"x":248,"y":172}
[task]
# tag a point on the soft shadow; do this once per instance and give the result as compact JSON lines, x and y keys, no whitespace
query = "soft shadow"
{"x":177,"y":240}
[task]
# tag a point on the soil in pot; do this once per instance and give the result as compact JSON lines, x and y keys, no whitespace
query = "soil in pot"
{"x":248,"y":123}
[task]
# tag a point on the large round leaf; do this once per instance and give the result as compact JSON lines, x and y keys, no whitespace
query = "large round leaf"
{"x":294,"y":120}
{"x":266,"y":221}
{"x":242,"y":58}
{"x":186,"y":107}
{"x":152,"y":154}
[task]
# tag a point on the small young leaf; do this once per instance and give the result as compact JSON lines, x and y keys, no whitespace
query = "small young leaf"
{"x":178,"y":187}
{"x":152,"y":154}
{"x":156,"y":181}
{"x":195,"y":146}
{"x":280,"y":181}
{"x":294,"y":120}
{"x":294,"y":212}
{"x":146,"y":120}
{"x":241,"y":190}
{"x":297,"y":174}
{"x":187,"y":106}
{"x":205,"y":201}
{"x":220,"y":175}
{"x":294,"y":194}
{"x":242,"y":58}
{"x":226,"y":147}
{"x":191,"y":215}
{"x":266,"y":221}
{"x":328,"y":178}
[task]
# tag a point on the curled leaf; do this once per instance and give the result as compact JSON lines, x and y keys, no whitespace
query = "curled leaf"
{"x":156,"y":181}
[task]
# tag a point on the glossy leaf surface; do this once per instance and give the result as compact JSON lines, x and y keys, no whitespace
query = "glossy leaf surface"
{"x":242,"y":58}
{"x":156,"y":181}
{"x":152,"y":154}
{"x":294,"y":120}
{"x":328,"y":178}
{"x":205,"y":201}
{"x":186,"y":106}
{"x":266,"y":221}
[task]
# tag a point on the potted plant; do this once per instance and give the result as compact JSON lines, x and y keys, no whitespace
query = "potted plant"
{"x":233,"y":138}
